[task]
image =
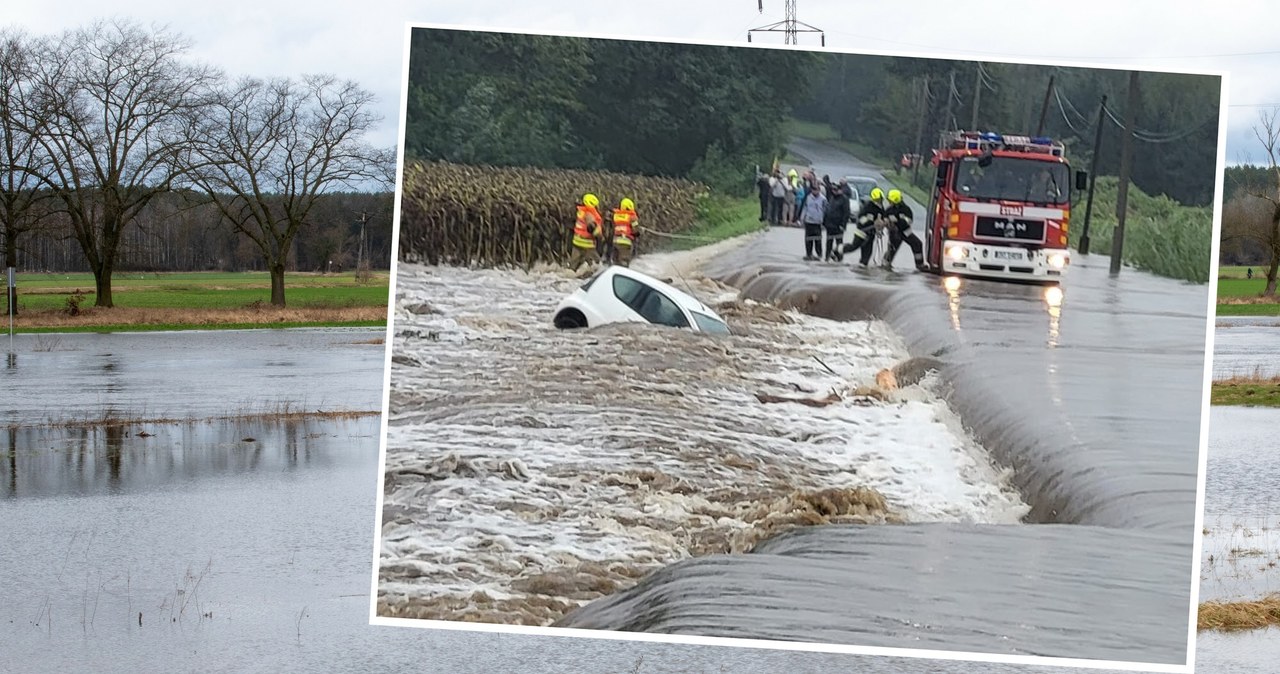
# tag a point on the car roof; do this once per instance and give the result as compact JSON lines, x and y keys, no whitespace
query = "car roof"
{"x":684,"y":299}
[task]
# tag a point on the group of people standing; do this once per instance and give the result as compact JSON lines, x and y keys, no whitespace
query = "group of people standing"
{"x":590,"y":234}
{"x":822,"y":207}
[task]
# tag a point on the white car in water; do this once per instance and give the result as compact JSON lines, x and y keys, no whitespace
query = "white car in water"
{"x":619,"y":295}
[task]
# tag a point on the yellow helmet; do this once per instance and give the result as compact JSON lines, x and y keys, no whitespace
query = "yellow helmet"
{"x":895,"y":196}
{"x":628,"y":205}
{"x":590,"y":200}
{"x":877,"y":194}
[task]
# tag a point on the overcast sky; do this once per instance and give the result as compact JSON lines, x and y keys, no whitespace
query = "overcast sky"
{"x":365,"y":41}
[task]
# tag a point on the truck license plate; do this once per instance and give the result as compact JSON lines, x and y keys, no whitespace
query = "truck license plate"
{"x":1008,"y":255}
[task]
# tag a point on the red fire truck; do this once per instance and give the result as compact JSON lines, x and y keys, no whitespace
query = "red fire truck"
{"x":1000,"y":208}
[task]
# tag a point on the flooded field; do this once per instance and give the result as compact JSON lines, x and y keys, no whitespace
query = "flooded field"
{"x":191,"y":375}
{"x":158,"y":507}
{"x":1240,"y":558}
{"x":1245,"y":345}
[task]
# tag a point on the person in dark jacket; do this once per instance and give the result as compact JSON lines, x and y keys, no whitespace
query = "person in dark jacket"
{"x":837,"y":216}
{"x":869,"y":216}
{"x":762,"y":183}
{"x":899,"y":216}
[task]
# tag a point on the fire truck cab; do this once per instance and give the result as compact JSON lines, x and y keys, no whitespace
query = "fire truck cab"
{"x":1000,"y":207}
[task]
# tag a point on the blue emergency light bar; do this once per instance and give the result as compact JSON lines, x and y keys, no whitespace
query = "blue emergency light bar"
{"x":974,"y":140}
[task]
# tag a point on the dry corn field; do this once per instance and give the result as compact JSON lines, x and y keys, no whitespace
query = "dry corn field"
{"x":496,"y":216}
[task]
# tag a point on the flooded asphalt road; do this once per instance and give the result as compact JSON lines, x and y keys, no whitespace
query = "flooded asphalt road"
{"x":1108,"y":384}
{"x":1095,"y":399}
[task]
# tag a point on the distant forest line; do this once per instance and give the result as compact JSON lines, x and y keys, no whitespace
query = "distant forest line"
{"x":712,"y":113}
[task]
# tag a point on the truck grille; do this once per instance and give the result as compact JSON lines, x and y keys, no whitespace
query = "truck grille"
{"x":1010,"y":229}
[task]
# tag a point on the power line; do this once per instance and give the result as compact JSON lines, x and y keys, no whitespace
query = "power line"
{"x":1066,"y":119}
{"x":1085,"y":57}
{"x":1160,"y":137}
{"x":986,"y":79}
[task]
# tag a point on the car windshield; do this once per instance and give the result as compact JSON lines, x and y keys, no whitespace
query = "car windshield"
{"x":1013,"y":179}
{"x":587,"y":286}
{"x":708,"y":324}
{"x":863,"y":185}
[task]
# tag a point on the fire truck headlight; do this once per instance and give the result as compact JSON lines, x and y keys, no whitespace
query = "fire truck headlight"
{"x":957,"y":252}
{"x":1057,"y":260}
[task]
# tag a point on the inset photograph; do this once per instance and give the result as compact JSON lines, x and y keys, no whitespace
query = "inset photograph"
{"x":772,"y":345}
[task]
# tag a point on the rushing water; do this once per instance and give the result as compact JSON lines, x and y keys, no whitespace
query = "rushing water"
{"x":551,"y":500}
{"x":530,"y":470}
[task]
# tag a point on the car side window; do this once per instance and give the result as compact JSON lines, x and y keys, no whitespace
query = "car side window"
{"x":657,"y":308}
{"x":629,"y":291}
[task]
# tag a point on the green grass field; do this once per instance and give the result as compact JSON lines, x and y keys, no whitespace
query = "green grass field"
{"x":196,"y":279}
{"x":194,"y":295}
{"x":1247,"y":391}
{"x":200,"y":300}
{"x":1236,"y":289}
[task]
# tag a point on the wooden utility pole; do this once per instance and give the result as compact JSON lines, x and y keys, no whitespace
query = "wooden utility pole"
{"x":1126,"y":166}
{"x":951,"y":93}
{"x":923,"y":95}
{"x":977,"y":97}
{"x":1093,"y":177}
{"x":1044,"y":108}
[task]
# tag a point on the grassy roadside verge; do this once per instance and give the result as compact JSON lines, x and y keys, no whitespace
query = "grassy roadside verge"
{"x":199,"y":301}
{"x":719,"y":218}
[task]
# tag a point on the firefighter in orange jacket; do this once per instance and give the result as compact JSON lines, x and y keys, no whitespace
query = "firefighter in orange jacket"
{"x":625,"y":231}
{"x":586,"y":229}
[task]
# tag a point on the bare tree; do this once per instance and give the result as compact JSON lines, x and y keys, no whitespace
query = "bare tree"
{"x":115,"y":108}
{"x":274,"y":147}
{"x":1252,"y":222}
{"x":22,"y":201}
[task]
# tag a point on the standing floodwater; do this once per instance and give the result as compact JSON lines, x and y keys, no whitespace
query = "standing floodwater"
{"x":1240,"y":557}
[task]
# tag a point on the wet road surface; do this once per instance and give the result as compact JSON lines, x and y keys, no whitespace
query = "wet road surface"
{"x":1094,"y":397}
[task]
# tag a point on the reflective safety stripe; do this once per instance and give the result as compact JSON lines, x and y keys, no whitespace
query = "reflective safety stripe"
{"x":622,"y":224}
{"x":583,"y":243}
{"x":582,"y":230}
{"x":858,"y":233}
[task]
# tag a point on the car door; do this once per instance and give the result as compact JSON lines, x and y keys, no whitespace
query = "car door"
{"x":630,"y":293}
{"x":648,"y":303}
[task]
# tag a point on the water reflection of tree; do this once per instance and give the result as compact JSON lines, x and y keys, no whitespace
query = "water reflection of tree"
{"x":116,"y":458}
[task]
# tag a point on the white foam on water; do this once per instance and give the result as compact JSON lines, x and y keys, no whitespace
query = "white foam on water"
{"x":517,"y":450}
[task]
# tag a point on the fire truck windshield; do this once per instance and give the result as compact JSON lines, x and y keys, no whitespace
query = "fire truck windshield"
{"x":1013,"y":179}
